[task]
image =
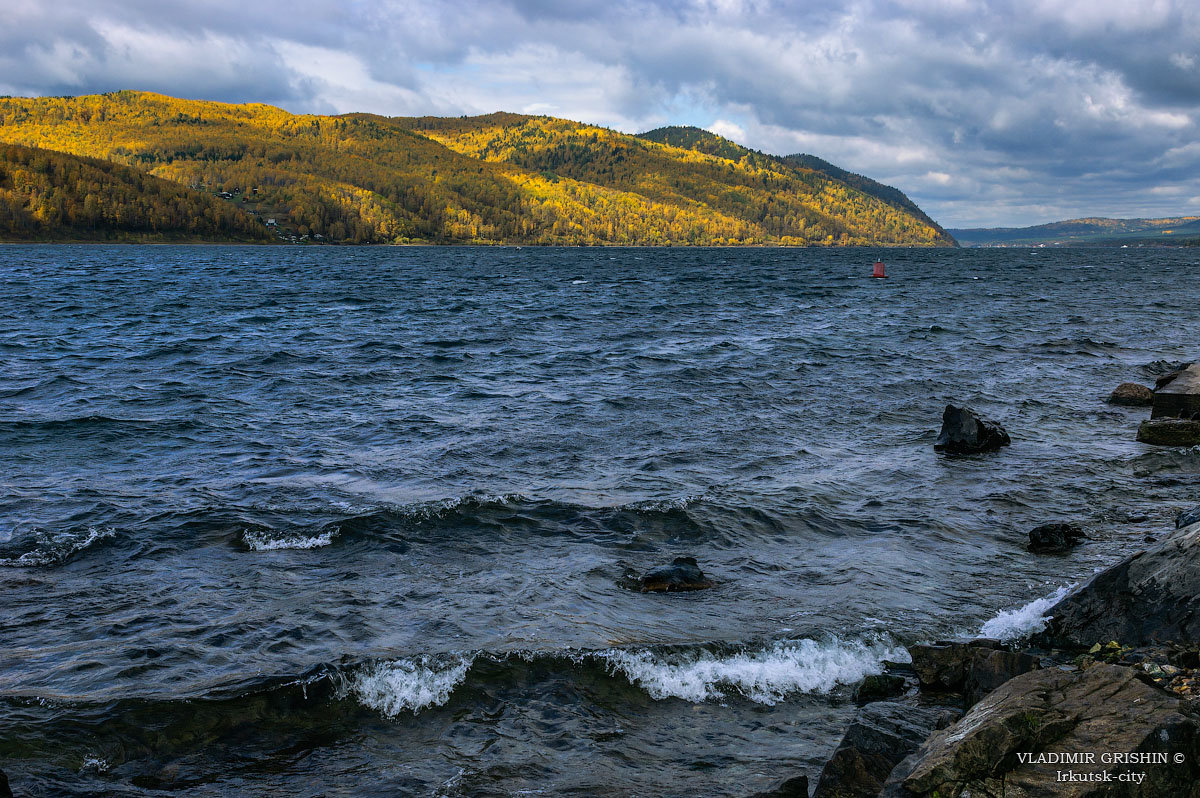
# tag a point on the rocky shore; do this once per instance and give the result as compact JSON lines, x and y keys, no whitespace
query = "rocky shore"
{"x":1102,"y":698}
{"x":1102,"y":701}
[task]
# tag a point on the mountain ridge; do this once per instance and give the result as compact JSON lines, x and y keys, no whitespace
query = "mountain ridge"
{"x":495,"y":178}
{"x":1088,"y":231}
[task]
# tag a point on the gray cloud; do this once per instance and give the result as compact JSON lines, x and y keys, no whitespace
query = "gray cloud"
{"x":1003,"y":112}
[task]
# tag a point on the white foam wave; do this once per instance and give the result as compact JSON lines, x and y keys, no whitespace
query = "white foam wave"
{"x":1024,"y":621}
{"x":53,"y":549}
{"x":409,"y":684}
{"x":766,"y":677}
{"x":261,"y":541}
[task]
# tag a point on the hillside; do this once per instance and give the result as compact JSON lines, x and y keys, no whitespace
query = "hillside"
{"x":47,"y":195}
{"x":1177,"y":231}
{"x":694,"y":138}
{"x":492,"y":179}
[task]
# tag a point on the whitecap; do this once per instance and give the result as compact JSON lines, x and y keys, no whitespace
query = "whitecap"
{"x":261,"y":541}
{"x":409,"y":684}
{"x":765,"y":677}
{"x":1024,"y":621}
{"x":54,"y":549}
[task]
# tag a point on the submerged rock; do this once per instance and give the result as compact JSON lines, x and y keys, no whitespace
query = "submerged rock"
{"x":1169,"y":432}
{"x":1054,"y":537}
{"x":973,"y":669}
{"x":882,"y":734}
{"x":964,"y":432}
{"x":682,"y":574}
{"x":1011,"y":743}
{"x":1150,"y":597}
{"x":1131,"y":394}
{"x":1188,"y":517}
{"x":795,"y":787}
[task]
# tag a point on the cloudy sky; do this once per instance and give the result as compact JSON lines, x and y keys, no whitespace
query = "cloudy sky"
{"x":1009,"y":112}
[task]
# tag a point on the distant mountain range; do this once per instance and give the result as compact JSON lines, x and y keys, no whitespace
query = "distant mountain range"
{"x":1176,"y":231}
{"x":255,"y":172}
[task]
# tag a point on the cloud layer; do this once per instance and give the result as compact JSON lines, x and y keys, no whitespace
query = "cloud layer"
{"x":985,"y":113}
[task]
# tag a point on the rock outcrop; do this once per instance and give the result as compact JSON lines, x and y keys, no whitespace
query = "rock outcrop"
{"x":795,"y":787}
{"x":1131,"y":394}
{"x":682,"y":574}
{"x":1011,"y":743}
{"x":973,"y":669}
{"x":964,"y":432}
{"x":1150,"y":597}
{"x":882,"y":735}
{"x":1188,"y":517}
{"x":1054,"y":538}
{"x":1179,"y":396}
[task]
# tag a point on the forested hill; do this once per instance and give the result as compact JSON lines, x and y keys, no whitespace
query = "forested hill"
{"x":489,"y":179}
{"x":47,"y":195}
{"x":1091,"y":231}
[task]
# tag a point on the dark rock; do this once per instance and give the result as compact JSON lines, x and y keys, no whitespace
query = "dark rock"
{"x":964,"y":432}
{"x":1150,"y":597}
{"x":881,"y":735}
{"x":877,"y":687}
{"x":682,"y":574}
{"x":1188,"y":517}
{"x":973,"y":670}
{"x":795,"y":787}
{"x":1054,"y":537}
{"x":1178,"y":397}
{"x":1131,"y":394}
{"x":5,"y":790}
{"x":1169,"y":432}
{"x":1163,"y":380}
{"x":1103,"y":709}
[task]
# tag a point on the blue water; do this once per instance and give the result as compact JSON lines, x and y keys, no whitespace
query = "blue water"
{"x":359,"y":521}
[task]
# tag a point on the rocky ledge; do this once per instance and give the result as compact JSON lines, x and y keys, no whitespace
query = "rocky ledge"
{"x":1102,"y":702}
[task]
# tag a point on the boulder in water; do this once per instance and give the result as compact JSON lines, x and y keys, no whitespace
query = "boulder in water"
{"x":682,"y":574}
{"x":795,"y":787}
{"x":1131,"y":394}
{"x":973,"y":669}
{"x":1052,"y":538}
{"x":1169,"y":432}
{"x":964,"y":432}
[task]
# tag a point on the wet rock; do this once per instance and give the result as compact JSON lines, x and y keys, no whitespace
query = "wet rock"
{"x":1131,"y":394}
{"x":1188,"y":517}
{"x":1178,"y":397}
{"x":878,"y":687}
{"x":5,"y":790}
{"x":1169,"y":432}
{"x":882,"y":734}
{"x":1148,"y":598}
{"x":973,"y":669}
{"x":795,"y":787}
{"x":682,"y":574}
{"x":964,"y":432}
{"x":1050,"y":538}
{"x":994,"y":749}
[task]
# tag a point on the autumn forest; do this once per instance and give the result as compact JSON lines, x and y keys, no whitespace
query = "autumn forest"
{"x":133,"y":166}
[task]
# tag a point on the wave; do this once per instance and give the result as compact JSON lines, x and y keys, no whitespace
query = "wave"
{"x":409,"y":684}
{"x":764,"y":677}
{"x":1021,"y":622}
{"x":262,"y":540}
{"x":57,"y":548}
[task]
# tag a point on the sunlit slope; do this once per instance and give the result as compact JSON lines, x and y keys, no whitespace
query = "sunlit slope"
{"x":775,"y":202}
{"x":498,"y":178}
{"x":47,"y":195}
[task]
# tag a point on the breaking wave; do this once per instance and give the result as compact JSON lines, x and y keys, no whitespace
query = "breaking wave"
{"x":1022,"y":622}
{"x":57,"y":548}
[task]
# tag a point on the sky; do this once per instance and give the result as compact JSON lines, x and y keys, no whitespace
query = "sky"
{"x":1004,"y":113}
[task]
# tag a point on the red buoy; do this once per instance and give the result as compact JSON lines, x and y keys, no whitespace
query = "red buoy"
{"x":878,"y":269}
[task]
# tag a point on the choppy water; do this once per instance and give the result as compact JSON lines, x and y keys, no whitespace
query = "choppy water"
{"x":364,"y":521}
